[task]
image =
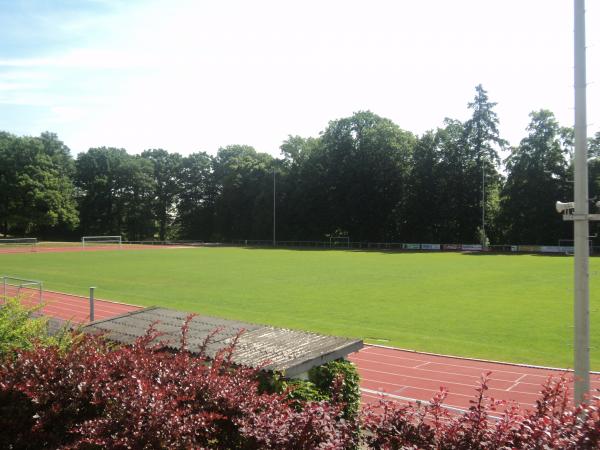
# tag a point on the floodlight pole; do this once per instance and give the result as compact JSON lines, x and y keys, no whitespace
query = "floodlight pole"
{"x":484,"y":240}
{"x":581,"y":219}
{"x":274,"y":211}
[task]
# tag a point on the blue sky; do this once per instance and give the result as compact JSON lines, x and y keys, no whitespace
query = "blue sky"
{"x":196,"y":75}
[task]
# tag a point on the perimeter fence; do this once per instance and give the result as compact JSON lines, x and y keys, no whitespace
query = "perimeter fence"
{"x":409,"y":246}
{"x":363,"y":245}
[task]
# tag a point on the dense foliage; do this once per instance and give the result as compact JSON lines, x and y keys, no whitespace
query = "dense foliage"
{"x":20,"y":329}
{"x":94,"y":396}
{"x":363,"y":177}
{"x":337,"y":382}
{"x":553,"y":424}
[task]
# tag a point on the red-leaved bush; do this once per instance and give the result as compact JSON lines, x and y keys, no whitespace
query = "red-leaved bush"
{"x":553,"y":424}
{"x":94,"y":396}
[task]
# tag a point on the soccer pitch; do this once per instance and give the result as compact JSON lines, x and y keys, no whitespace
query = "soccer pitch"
{"x":514,"y":308}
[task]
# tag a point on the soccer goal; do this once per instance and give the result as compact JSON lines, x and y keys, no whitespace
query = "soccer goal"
{"x":567,"y":246}
{"x":31,"y":291}
{"x":19,"y":244}
{"x":87,"y":241}
{"x":339,"y":242}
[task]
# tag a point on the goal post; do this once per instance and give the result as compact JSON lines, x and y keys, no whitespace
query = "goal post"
{"x":339,"y":242}
{"x":21,"y":288}
{"x":567,"y":246}
{"x":19,"y":244}
{"x":87,"y":241}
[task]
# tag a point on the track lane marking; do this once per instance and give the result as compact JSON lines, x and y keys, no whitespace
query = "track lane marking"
{"x":440,"y":371}
{"x":516,"y":383}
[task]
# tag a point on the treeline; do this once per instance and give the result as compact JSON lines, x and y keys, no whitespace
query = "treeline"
{"x":363,"y":177}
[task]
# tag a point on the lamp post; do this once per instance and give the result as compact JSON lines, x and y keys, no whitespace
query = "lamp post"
{"x":483,"y":238}
{"x":274,"y":211}
{"x":578,"y":212}
{"x":580,"y":218}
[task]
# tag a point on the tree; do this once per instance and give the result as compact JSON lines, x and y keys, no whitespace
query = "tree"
{"x":537,"y":178}
{"x":483,"y":141}
{"x":243,"y":182}
{"x":423,"y":220}
{"x":166,"y":188}
{"x":115,"y":193}
{"x":455,"y":196}
{"x":197,"y":197}
{"x":594,"y":146}
{"x":35,"y":184}
{"x":356,"y":178}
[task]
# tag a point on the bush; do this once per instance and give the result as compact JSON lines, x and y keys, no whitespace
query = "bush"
{"x":337,"y":381}
{"x":94,"y":396}
{"x":20,"y":330}
{"x":553,"y":424}
{"x":324,"y":378}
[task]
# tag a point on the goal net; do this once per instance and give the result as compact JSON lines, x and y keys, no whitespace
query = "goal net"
{"x":89,"y":241}
{"x":567,"y":246}
{"x":29,"y":292}
{"x":18,"y":244}
{"x":339,"y":242}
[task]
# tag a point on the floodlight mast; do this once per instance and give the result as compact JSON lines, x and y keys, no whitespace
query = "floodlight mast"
{"x":580,"y":218}
{"x":483,"y":237}
{"x":274,"y":211}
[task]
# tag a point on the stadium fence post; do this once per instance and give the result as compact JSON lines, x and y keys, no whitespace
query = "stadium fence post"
{"x":92,"y":303}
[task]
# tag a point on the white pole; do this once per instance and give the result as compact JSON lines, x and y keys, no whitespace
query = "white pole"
{"x":581,"y":220}
{"x":274,"y":216}
{"x":92,"y":315}
{"x":483,"y":204}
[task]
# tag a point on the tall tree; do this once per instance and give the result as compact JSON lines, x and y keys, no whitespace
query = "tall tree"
{"x":483,"y":142}
{"x":36,"y":188}
{"x":422,"y":219}
{"x":166,"y":187}
{"x":454,"y":188}
{"x":359,"y":174}
{"x":115,"y":193}
{"x":243,"y":180}
{"x":594,"y":146}
{"x":197,"y":198}
{"x":537,"y":178}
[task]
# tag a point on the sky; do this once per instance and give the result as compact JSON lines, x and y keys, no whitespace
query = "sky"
{"x":192,"y":76}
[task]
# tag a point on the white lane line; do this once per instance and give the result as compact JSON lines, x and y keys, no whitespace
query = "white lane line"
{"x":421,"y":365}
{"x":433,"y":380}
{"x":517,"y":381}
{"x":483,"y":368}
{"x":401,"y":368}
{"x":421,"y":402}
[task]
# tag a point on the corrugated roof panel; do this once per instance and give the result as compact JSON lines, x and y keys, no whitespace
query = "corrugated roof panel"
{"x":290,"y":351}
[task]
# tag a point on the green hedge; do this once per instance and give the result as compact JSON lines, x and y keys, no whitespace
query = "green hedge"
{"x":19,"y":329}
{"x":320,"y":386}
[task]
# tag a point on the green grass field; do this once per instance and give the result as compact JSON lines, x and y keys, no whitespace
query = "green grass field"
{"x":504,"y":307}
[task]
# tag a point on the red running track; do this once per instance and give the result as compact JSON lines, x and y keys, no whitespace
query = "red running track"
{"x":75,"y":248}
{"x":408,"y":376}
{"x":74,"y":308}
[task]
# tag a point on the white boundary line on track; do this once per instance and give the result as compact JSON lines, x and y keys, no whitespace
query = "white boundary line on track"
{"x":470,"y":396}
{"x":512,"y":382}
{"x":96,"y":299}
{"x":496,"y":372}
{"x":420,"y":402}
{"x":466,"y":358}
